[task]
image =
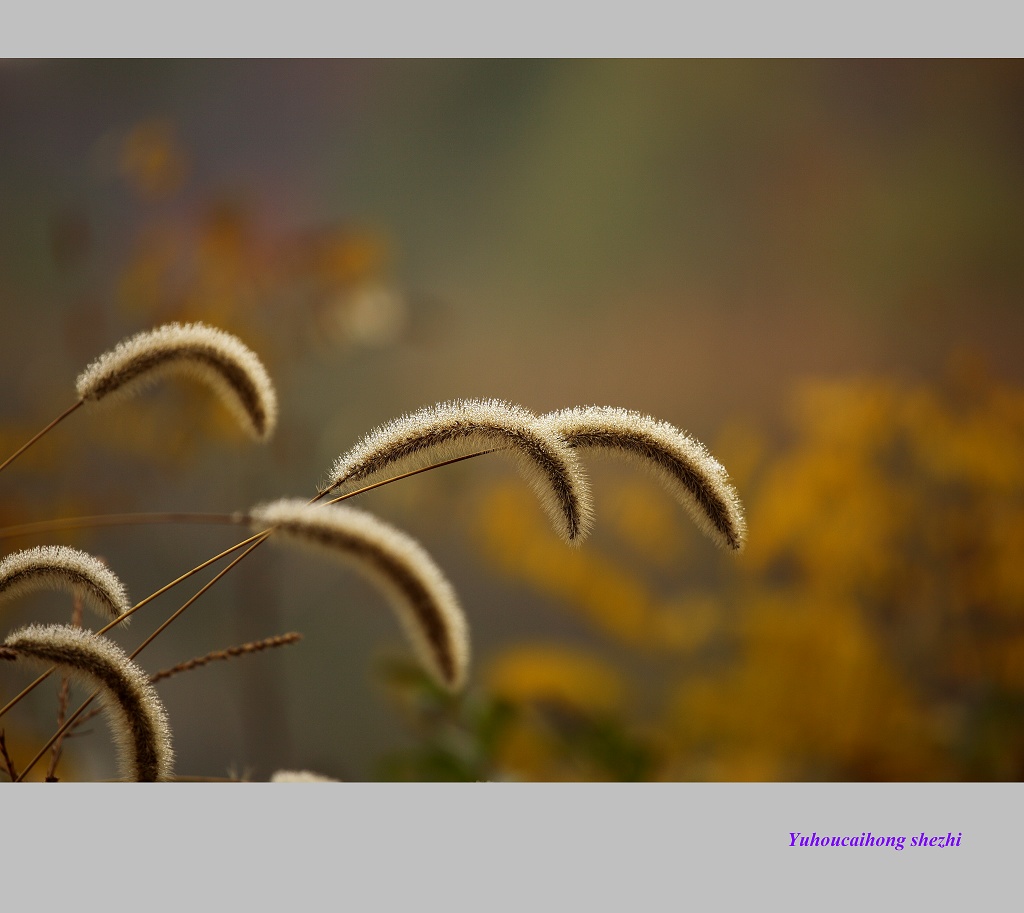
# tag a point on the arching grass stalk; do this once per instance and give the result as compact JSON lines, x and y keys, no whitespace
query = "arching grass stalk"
{"x":25,"y":692}
{"x":417,"y":589}
{"x":215,"y":358}
{"x":252,"y":542}
{"x":680,"y":462}
{"x":137,"y":717}
{"x":255,"y":540}
{"x":464,"y":426}
{"x":58,"y":567}
{"x":259,"y":539}
{"x":211,"y":518}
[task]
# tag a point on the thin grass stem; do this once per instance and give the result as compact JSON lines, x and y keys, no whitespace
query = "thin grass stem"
{"x":405,"y":475}
{"x":255,"y":540}
{"x":27,"y":690}
{"x":258,"y":646}
{"x":255,"y":646}
{"x":260,"y":538}
{"x":65,"y":694}
{"x":459,"y":427}
{"x":39,"y":434}
{"x":138,"y":519}
{"x":12,"y":771}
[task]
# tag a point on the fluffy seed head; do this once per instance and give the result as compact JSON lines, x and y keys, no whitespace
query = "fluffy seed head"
{"x":419,"y":592}
{"x":679,"y":461}
{"x":58,"y":567}
{"x":459,"y":428}
{"x":137,"y":719}
{"x":299,"y":776}
{"x":196,"y":350}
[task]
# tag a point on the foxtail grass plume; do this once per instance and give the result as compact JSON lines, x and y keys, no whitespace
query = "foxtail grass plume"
{"x":299,"y":776}
{"x":196,"y":350}
{"x":462,"y":427}
{"x":58,"y":567}
{"x":137,"y":719}
{"x":680,"y":462}
{"x":417,"y":589}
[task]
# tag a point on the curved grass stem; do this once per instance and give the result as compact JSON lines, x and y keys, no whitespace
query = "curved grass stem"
{"x":252,"y":542}
{"x":404,"y":475}
{"x":28,"y":689}
{"x":138,"y":519}
{"x":259,"y":539}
